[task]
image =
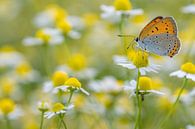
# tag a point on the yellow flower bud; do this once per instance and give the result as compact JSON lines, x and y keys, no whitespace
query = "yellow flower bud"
{"x":188,"y":68}
{"x":64,"y":25}
{"x":145,"y":83}
{"x":58,"y":107}
{"x":77,"y":62}
{"x":73,"y":82}
{"x":59,"y":78}
{"x":7,"y":105}
{"x":122,"y":5}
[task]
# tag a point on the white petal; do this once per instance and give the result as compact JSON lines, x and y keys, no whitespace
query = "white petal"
{"x":74,"y":34}
{"x":142,"y":71}
{"x":47,"y":86}
{"x":62,"y":88}
{"x":49,"y":115}
{"x":136,"y":12}
{"x":71,"y":106}
{"x":189,"y":9}
{"x":29,"y":41}
{"x":156,"y":92}
{"x":178,"y":73}
{"x":191,"y":76}
{"x":84,"y":91}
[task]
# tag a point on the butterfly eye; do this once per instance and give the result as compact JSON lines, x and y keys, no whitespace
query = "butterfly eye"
{"x":136,"y":39}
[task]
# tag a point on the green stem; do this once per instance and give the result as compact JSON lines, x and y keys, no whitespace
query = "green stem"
{"x":121,"y":24}
{"x":8,"y":124}
{"x":138,"y":117}
{"x":42,"y":119}
{"x":175,"y":103}
{"x":62,"y":121}
{"x":71,"y":94}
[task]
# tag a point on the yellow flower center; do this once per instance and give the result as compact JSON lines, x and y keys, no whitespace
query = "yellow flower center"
{"x":31,"y":125}
{"x":43,"y":36}
{"x":139,"y":19}
{"x":64,"y":25}
{"x":122,"y":5}
{"x":7,"y":49}
{"x":58,"y":107}
{"x":90,"y":19}
{"x":73,"y":82}
{"x":77,"y":62}
{"x":59,"y":78}
{"x":7,"y":86}
{"x":130,"y":54}
{"x":140,"y":59}
{"x":188,"y":68}
{"x":7,"y":105}
{"x":145,"y":83}
{"x":57,"y":12}
{"x":23,"y":69}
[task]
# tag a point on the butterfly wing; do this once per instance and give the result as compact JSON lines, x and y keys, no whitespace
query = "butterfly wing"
{"x":166,"y":25}
{"x":149,"y":25}
{"x":164,"y":45}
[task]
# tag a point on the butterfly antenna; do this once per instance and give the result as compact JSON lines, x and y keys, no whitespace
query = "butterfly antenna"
{"x":121,"y":35}
{"x":130,"y":43}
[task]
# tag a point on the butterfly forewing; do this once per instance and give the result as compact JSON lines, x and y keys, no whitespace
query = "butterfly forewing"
{"x":149,"y":25}
{"x":165,"y":26}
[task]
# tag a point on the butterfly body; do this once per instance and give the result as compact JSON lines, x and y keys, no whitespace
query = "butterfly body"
{"x":160,"y":37}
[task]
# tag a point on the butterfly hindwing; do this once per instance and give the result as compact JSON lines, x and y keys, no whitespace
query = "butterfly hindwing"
{"x":164,"y":45}
{"x":165,"y":26}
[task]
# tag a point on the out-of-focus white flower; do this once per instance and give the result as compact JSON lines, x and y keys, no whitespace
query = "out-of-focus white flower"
{"x":48,"y":36}
{"x":124,"y":62}
{"x":189,"y":9}
{"x":86,"y":73}
{"x":187,"y":70}
{"x":9,"y":57}
{"x":24,"y":73}
{"x":112,"y":15}
{"x":107,"y":84}
{"x":57,"y":109}
{"x":188,"y":97}
{"x":18,"y":112}
{"x":190,"y":127}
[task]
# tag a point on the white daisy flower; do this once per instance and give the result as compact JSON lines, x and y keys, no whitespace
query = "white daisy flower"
{"x":107,"y":84}
{"x":45,"y":36}
{"x":9,"y":57}
{"x":125,"y":62}
{"x":189,"y":9}
{"x":57,"y":109}
{"x":144,"y":87}
{"x":112,"y":15}
{"x":86,"y":73}
{"x":187,"y":70}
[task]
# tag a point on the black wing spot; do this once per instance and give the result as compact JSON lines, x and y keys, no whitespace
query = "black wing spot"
{"x":152,"y":31}
{"x":166,"y":28}
{"x":156,"y":28}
